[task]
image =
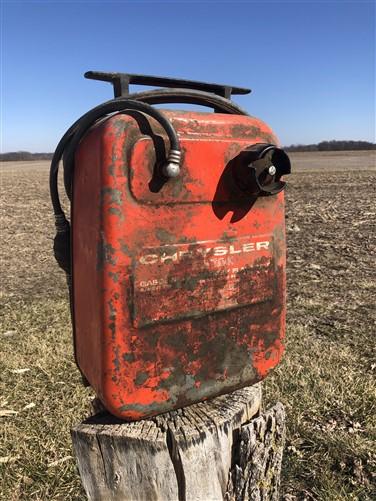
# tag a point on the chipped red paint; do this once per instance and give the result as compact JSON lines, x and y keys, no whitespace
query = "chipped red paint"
{"x":178,"y":288}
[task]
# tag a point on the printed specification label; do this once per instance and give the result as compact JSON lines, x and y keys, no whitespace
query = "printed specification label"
{"x":186,"y":280}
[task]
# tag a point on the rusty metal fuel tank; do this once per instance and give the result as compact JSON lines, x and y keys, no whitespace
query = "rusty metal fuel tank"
{"x":177,"y":259}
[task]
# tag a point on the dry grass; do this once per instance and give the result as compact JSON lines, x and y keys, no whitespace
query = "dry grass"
{"x":326,"y":379}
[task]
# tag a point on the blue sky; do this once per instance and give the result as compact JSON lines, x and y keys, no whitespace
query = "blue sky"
{"x":311,"y":65}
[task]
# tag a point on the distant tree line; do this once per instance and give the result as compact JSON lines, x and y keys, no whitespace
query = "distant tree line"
{"x":323,"y":146}
{"x":15,"y":156}
{"x":333,"y":146}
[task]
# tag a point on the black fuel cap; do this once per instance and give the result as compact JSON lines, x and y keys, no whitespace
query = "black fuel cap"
{"x":258,"y":169}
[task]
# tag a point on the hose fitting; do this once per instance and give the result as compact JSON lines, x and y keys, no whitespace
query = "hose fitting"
{"x":61,"y":223}
{"x":62,"y":243}
{"x":172,"y":167}
{"x":258,"y":169}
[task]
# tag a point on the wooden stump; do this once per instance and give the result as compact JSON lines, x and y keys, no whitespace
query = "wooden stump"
{"x":222,"y":449}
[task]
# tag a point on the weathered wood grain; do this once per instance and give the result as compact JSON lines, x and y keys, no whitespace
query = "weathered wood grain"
{"x":257,"y":471}
{"x":214,"y":450}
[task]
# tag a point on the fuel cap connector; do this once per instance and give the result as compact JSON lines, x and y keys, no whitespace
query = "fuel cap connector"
{"x":258,"y":169}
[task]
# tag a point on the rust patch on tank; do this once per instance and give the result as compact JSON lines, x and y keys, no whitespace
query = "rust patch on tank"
{"x":106,"y":253}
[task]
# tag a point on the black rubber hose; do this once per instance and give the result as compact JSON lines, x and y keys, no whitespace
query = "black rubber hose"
{"x":162,"y":96}
{"x":189,"y":96}
{"x":75,"y":133}
{"x":139,"y":102}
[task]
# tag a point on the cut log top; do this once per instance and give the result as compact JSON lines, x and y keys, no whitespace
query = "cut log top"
{"x":193,"y":453}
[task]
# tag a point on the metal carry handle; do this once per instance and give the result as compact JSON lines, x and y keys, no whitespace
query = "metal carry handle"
{"x":121,"y":82}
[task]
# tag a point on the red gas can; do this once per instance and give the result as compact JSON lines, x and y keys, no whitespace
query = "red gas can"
{"x":178,"y":272}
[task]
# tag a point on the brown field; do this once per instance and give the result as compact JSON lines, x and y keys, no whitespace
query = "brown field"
{"x":326,"y":379}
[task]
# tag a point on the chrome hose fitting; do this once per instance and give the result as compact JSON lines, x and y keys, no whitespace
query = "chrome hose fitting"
{"x":172,"y":167}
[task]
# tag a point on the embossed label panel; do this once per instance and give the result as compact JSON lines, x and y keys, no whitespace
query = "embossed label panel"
{"x":189,"y":280}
